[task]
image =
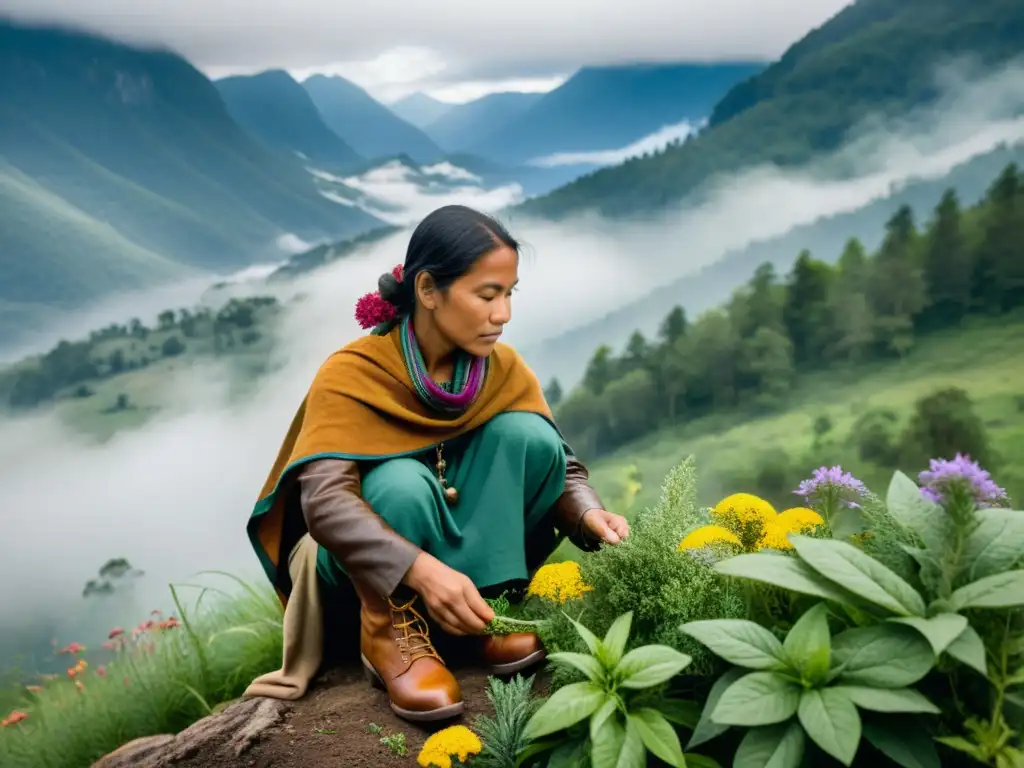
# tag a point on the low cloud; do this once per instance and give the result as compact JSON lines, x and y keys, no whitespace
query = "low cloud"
{"x":653,"y":142}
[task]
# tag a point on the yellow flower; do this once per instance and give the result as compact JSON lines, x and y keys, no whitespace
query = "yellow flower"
{"x":707,"y":535}
{"x":746,"y":516}
{"x":558,"y":582}
{"x":775,"y":536}
{"x":795,"y":520}
{"x":745,"y":507}
{"x":800,"y":519}
{"x":456,"y":741}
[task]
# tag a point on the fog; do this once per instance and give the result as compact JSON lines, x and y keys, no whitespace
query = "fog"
{"x":174,"y":496}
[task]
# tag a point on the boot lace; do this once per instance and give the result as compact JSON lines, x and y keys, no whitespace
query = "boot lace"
{"x":413,"y":633}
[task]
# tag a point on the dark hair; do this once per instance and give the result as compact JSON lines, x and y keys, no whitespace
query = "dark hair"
{"x":446,"y":244}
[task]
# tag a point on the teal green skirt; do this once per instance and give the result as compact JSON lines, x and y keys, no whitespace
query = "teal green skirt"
{"x":508,"y":473}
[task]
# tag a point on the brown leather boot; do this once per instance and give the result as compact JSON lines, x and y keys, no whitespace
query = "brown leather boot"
{"x":508,"y":654}
{"x":399,"y":657}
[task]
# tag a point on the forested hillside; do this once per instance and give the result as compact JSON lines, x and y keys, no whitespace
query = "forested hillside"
{"x":925,"y":277}
{"x":876,"y":57}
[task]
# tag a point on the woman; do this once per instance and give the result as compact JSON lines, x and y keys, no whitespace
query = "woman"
{"x":422,"y":467}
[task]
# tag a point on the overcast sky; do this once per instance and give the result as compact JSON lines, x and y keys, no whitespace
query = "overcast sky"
{"x":454,"y":49}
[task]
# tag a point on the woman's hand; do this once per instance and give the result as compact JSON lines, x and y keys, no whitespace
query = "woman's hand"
{"x":605,"y":526}
{"x":452,"y":600}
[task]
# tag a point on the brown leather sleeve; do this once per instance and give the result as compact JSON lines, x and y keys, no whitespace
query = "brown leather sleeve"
{"x":340,"y":520}
{"x":574,"y":502}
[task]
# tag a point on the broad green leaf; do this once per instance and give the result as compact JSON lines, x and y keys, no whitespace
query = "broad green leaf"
{"x":570,"y":754}
{"x":940,"y":630}
{"x":832,"y":722}
{"x":759,"y":698}
{"x":606,"y":745}
{"x":995,"y":545}
{"x":650,"y":665}
{"x":616,"y":637}
{"x":882,"y":656}
{"x":961,"y":744}
{"x":738,"y":641}
{"x":908,"y":745}
{"x":658,"y":736}
{"x":1015,"y":699}
{"x":908,"y":507}
{"x":567,"y":706}
{"x":860,"y":573}
{"x":700,"y":761}
{"x":771,"y":746}
{"x":680,"y":711}
{"x":808,"y":645}
{"x":593,"y":643}
{"x":621,"y":748}
{"x":888,"y":699}
{"x":1003,"y":590}
{"x":786,"y":572}
{"x":588,"y":665}
{"x":535,"y":748}
{"x":931,"y":569}
{"x":601,"y":718}
{"x":969,"y":650}
{"x":707,"y":729}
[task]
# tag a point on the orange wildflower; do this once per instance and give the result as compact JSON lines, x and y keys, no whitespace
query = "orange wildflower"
{"x":13,"y":719}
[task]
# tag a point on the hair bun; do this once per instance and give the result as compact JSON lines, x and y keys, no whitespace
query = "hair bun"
{"x":390,"y":289}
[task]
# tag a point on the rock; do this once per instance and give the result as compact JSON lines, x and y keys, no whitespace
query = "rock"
{"x":134,"y":751}
{"x":229,"y":732}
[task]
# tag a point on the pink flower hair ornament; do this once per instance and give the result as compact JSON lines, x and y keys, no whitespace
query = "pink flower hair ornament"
{"x":372,"y":309}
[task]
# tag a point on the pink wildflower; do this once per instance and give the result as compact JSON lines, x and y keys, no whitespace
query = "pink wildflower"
{"x":372,"y":309}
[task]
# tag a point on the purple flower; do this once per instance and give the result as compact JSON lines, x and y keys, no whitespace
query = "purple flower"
{"x":962,"y":473}
{"x":831,"y":486}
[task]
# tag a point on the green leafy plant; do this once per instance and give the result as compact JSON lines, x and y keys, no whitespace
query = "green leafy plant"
{"x":812,"y":685}
{"x":967,"y":558}
{"x":505,"y":622}
{"x":503,"y":735}
{"x":648,"y":576}
{"x":618,"y":714}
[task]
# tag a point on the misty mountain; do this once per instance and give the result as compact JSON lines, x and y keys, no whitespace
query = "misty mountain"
{"x":365,"y":124}
{"x":566,"y":356}
{"x":601,"y":108}
{"x":464,"y":125}
{"x":120,"y":166}
{"x":419,"y":109}
{"x":874,"y":57}
{"x":274,"y":107}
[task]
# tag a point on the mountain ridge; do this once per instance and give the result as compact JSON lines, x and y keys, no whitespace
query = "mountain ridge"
{"x":273,"y":106}
{"x":365,"y":124}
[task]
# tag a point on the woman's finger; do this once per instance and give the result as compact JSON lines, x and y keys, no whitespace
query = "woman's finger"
{"x":447,"y":621}
{"x":478,"y":605}
{"x":467,"y":619}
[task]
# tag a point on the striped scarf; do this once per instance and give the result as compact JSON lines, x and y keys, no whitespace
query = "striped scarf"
{"x":467,"y":381}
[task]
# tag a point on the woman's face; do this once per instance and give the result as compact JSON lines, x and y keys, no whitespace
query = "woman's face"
{"x":472,"y":313}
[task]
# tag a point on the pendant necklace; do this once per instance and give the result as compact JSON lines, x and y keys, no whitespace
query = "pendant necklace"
{"x":451,"y":495}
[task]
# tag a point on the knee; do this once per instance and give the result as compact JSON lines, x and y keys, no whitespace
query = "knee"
{"x":398,"y":484}
{"x":530,"y":430}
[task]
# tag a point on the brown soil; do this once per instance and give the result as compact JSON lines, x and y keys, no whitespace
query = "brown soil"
{"x":336,"y":724}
